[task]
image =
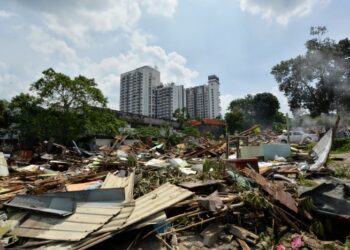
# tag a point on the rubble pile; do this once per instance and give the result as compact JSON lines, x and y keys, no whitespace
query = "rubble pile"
{"x":195,"y":195}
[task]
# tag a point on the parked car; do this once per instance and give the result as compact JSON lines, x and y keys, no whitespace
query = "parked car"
{"x":297,"y":137}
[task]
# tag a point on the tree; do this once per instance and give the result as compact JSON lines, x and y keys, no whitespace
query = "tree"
{"x":234,"y":120}
{"x":181,"y":115}
{"x":28,"y":117}
{"x":265,"y":107}
{"x":318,"y":80}
{"x":63,"y":108}
{"x":244,"y":112}
{"x":3,"y":113}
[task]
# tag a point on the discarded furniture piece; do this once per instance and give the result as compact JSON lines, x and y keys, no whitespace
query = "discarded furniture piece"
{"x":273,"y":149}
{"x":266,"y":151}
{"x":242,"y":163}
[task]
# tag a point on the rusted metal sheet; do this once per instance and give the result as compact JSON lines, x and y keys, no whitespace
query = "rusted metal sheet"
{"x":280,"y":195}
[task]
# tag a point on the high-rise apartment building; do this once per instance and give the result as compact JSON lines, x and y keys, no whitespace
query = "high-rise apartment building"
{"x":204,"y":101}
{"x":136,"y":90}
{"x":168,"y":98}
{"x":214,"y":108}
{"x":141,"y":92}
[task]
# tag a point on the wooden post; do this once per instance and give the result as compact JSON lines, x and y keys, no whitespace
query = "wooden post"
{"x":288,"y":139}
{"x":227,"y":145}
{"x":238,"y":152}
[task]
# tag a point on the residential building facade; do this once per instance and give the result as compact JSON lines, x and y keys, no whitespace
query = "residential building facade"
{"x":136,"y":90}
{"x":168,"y":98}
{"x":141,"y":92}
{"x":204,"y":101}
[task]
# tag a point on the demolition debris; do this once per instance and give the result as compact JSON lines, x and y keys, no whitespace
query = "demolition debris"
{"x":242,"y":192}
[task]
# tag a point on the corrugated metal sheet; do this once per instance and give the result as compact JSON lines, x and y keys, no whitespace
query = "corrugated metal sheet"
{"x":87,"y":218}
{"x":112,"y":181}
{"x":159,"y":199}
{"x":53,"y":205}
{"x":93,"y":209}
{"x":150,"y":204}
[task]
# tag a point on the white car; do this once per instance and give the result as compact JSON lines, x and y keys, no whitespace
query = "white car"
{"x":297,"y":137}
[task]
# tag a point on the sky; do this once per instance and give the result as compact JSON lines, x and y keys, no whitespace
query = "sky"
{"x":187,"y":40}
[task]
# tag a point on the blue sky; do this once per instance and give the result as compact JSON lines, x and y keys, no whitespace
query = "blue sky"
{"x":238,"y":40}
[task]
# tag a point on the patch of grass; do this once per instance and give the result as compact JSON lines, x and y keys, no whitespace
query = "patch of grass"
{"x":213,"y":169}
{"x":305,"y":182}
{"x":341,"y":145}
{"x":342,"y":171}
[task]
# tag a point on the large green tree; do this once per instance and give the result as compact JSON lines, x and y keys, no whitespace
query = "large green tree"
{"x":319,"y":79}
{"x":244,"y":112}
{"x":63,"y":108}
{"x":265,"y":106}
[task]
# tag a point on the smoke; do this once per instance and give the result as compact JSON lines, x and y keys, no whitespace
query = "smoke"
{"x":321,"y":123}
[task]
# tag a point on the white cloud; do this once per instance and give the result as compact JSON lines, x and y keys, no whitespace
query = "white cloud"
{"x":81,"y":17}
{"x":6,"y":14}
{"x":173,"y":66}
{"x":160,"y":7}
{"x":280,"y":11}
{"x":65,"y":23}
{"x":9,"y":84}
{"x":63,"y":58}
{"x":47,"y":45}
{"x":225,"y":101}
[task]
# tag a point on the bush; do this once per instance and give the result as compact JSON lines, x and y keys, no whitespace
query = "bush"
{"x":191,"y":131}
{"x":153,"y":132}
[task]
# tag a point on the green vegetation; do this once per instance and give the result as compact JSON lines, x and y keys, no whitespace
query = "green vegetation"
{"x":62,"y":108}
{"x":148,"y":131}
{"x":342,"y":171}
{"x":255,"y":200}
{"x":305,"y":182}
{"x":181,"y":116}
{"x":318,"y":80}
{"x":260,"y":109}
{"x":191,"y":131}
{"x":213,"y":169}
{"x":341,"y":145}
